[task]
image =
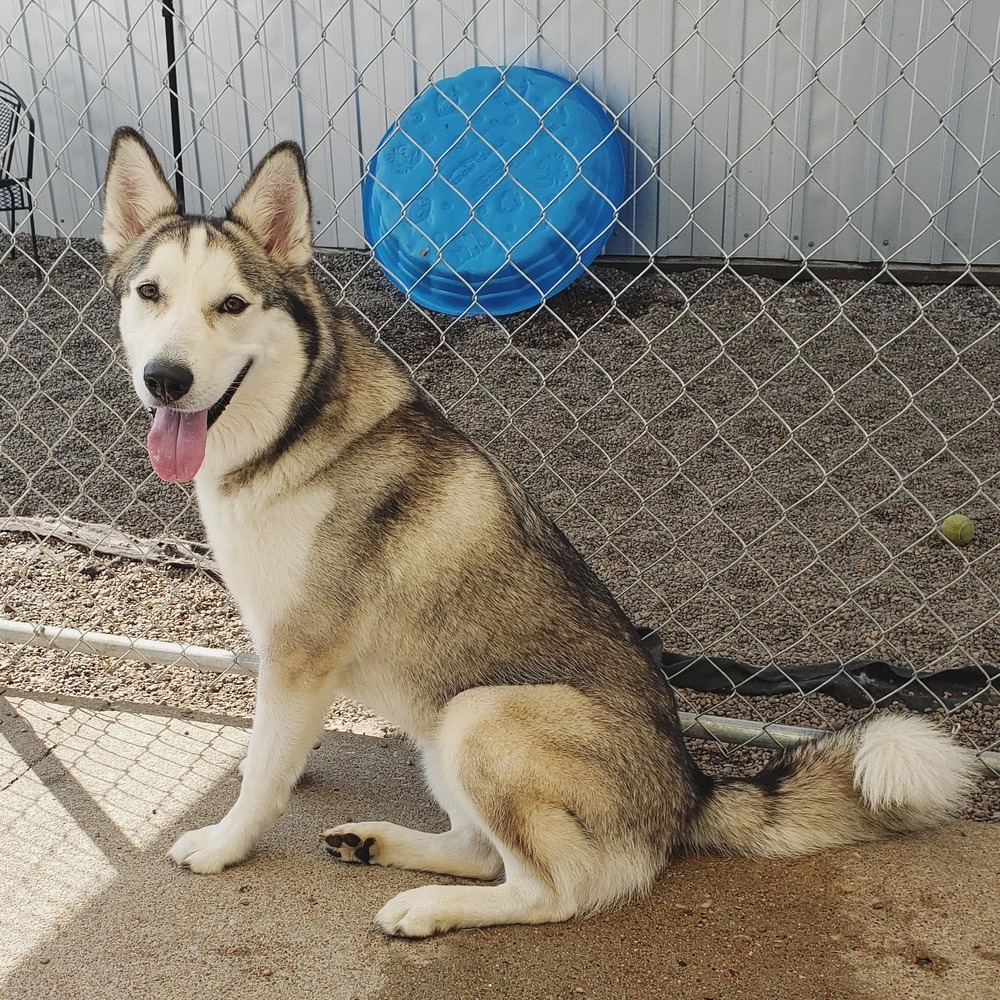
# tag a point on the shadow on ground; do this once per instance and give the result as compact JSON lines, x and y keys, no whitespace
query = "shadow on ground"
{"x":93,"y":794}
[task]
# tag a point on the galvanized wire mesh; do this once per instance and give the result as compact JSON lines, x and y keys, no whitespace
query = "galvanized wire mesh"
{"x":756,"y":464}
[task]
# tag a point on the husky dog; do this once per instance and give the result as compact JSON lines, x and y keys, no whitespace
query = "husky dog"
{"x":376,"y":552}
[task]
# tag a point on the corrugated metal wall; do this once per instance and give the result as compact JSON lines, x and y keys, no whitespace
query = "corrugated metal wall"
{"x":780,"y":129}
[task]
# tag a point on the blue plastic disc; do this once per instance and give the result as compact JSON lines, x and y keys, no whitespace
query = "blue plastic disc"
{"x":493,"y":191}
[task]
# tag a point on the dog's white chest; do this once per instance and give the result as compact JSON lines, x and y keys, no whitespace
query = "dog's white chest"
{"x":264,"y":547}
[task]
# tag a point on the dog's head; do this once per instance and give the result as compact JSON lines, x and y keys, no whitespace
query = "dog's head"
{"x":203,"y":301}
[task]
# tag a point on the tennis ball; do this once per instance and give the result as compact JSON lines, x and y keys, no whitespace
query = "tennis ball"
{"x":958,"y":529}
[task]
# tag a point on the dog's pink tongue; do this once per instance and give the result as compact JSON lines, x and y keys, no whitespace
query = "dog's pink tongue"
{"x":176,"y":444}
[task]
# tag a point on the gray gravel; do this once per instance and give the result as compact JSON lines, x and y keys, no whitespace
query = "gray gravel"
{"x":756,"y":468}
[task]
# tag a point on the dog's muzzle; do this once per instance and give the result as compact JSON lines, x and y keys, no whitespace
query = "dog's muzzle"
{"x":216,"y":409}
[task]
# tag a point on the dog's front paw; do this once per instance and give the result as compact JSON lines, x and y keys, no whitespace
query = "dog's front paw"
{"x":417,"y":913}
{"x":206,"y":851}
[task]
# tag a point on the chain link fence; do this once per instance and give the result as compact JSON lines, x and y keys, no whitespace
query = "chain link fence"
{"x":751,"y":415}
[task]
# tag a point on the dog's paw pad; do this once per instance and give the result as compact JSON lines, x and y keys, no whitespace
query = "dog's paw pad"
{"x":344,"y":845}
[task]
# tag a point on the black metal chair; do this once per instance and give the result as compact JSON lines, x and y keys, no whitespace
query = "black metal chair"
{"x":15,"y":192}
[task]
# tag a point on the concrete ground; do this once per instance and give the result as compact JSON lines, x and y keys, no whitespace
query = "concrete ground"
{"x":92,"y":794}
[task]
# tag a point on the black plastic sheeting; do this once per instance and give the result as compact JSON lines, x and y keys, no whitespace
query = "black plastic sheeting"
{"x":858,"y":683}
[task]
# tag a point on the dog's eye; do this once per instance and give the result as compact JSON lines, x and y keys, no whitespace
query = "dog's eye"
{"x":234,"y":305}
{"x":148,"y":290}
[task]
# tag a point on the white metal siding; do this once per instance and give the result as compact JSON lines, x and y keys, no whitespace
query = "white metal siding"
{"x":82,"y":71}
{"x":797,"y":127}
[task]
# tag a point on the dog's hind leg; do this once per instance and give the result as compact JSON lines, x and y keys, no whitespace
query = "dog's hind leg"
{"x":289,"y":713}
{"x":465,"y":850}
{"x":459,"y":851}
{"x":527,"y":769}
{"x":433,"y":909}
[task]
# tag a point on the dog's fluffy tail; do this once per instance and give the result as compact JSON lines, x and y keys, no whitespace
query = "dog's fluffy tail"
{"x":888,"y":775}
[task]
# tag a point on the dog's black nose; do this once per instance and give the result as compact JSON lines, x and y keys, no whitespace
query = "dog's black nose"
{"x":167,"y":380}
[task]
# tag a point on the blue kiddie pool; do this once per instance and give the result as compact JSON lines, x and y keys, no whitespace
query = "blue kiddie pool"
{"x":493,"y":191}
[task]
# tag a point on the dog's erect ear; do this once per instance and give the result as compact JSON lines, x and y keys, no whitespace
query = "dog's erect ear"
{"x":275,"y":206}
{"x":135,"y":191}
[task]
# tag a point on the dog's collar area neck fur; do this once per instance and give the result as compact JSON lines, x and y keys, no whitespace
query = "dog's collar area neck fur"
{"x":216,"y":409}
